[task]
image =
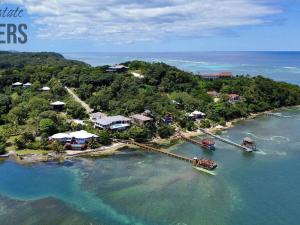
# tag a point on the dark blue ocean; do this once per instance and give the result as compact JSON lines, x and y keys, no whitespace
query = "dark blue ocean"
{"x":282,"y":66}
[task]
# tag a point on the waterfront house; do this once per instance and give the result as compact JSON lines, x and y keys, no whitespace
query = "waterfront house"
{"x":234,"y":98}
{"x":17,"y":84}
{"x":141,"y":119}
{"x":113,"y":123}
{"x":77,"y":138}
{"x":213,"y":76}
{"x":97,"y":116}
{"x":196,"y":115}
{"x":45,"y":89}
{"x":117,"y":69}
{"x":27,"y":85}
{"x":58,"y":105}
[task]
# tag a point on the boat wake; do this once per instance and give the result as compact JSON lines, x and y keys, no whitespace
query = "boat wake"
{"x":260,"y":152}
{"x":280,"y":153}
{"x":278,"y":139}
{"x":141,"y":162}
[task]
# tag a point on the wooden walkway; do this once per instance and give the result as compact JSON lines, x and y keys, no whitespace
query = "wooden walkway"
{"x":190,"y":139}
{"x":162,"y":151}
{"x":227,"y":141}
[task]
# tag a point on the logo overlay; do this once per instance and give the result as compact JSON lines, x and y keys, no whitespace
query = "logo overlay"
{"x":11,"y":32}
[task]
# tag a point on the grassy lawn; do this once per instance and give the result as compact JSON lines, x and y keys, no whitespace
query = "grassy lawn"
{"x":30,"y":151}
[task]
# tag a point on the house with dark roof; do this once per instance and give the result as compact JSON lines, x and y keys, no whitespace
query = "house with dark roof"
{"x":58,"y":105}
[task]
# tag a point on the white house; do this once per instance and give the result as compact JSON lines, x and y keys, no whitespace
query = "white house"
{"x":27,"y":85}
{"x":17,"y":84}
{"x":197,"y":115}
{"x":81,"y":137}
{"x":117,"y":68}
{"x":45,"y":89}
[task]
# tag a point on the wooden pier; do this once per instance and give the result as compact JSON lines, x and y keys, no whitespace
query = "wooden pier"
{"x":162,"y":151}
{"x":190,"y":139}
{"x":246,"y":149}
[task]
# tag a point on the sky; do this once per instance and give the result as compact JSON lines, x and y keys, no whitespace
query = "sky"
{"x":157,"y":25}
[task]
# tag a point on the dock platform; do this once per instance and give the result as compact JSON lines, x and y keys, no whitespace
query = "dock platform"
{"x":246,"y":149}
{"x":189,"y":139}
{"x":162,"y":151}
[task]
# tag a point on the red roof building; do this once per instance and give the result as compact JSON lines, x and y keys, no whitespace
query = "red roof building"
{"x":213,"y":76}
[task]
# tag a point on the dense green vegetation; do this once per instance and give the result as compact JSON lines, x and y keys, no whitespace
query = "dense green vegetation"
{"x":163,"y":90}
{"x":21,"y":59}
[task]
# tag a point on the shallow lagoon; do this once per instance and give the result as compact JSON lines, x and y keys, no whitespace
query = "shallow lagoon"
{"x":134,"y":187}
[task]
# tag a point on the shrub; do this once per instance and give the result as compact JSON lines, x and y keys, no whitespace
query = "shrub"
{"x":47,"y":126}
{"x":166,"y":131}
{"x":57,"y":147}
{"x":20,"y":142}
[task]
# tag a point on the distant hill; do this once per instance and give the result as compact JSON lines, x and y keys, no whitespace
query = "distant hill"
{"x":20,"y":59}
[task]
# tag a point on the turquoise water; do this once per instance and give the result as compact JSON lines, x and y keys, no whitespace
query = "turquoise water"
{"x":135,"y":187}
{"x":282,"y":66}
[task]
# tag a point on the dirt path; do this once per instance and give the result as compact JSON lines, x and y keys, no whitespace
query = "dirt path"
{"x":77,"y":99}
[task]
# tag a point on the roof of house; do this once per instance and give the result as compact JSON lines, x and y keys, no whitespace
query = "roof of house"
{"x":27,"y":84}
{"x":58,"y":103}
{"x":45,"y":89}
{"x":112,"y":119}
{"x":141,"y":117}
{"x":77,"y":134}
{"x":225,"y":74}
{"x":83,"y":134}
{"x":222,"y":74}
{"x":17,"y":84}
{"x":118,"y":67}
{"x":198,"y":113}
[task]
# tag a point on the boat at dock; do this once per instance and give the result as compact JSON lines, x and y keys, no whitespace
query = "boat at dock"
{"x":208,"y":144}
{"x":204,"y":163}
{"x":249,"y":143}
{"x":4,"y":156}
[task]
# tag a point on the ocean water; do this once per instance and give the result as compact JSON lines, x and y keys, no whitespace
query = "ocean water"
{"x":136,"y":187}
{"x":281,"y":66}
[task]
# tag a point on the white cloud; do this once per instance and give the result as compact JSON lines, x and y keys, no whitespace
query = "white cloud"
{"x":139,"y":20}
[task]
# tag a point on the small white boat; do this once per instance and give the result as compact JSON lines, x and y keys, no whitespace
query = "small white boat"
{"x":205,"y":170}
{"x":4,"y":156}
